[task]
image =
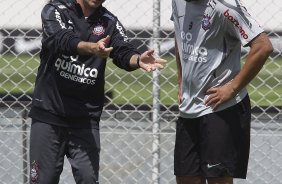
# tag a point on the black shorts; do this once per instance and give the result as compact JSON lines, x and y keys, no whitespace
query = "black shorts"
{"x":214,"y":145}
{"x":49,"y":144}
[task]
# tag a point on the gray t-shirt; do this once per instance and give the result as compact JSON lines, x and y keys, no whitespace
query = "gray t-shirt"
{"x":209,"y":35}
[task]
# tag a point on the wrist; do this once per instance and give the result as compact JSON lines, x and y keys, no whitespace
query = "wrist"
{"x":233,"y":87}
{"x":85,"y":48}
{"x":138,"y":62}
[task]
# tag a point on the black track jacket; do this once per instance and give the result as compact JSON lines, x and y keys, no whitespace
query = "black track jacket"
{"x":69,"y":88}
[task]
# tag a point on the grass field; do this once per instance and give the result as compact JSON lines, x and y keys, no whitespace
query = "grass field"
{"x":17,"y":75}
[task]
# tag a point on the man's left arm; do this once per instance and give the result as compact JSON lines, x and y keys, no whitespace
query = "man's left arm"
{"x":127,"y":57}
{"x":260,"y":49}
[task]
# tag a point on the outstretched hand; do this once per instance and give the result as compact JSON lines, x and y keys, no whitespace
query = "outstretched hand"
{"x":101,"y":50}
{"x":149,"y":62}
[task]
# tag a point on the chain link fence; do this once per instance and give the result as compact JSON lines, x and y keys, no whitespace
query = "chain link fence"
{"x":138,"y":122}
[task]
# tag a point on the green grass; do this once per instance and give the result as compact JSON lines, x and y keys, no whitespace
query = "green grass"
{"x":137,"y":87}
{"x":17,"y":75}
{"x":266,"y":88}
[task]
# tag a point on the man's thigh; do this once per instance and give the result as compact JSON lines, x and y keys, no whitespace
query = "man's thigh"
{"x":84,"y":154}
{"x":187,"y":148}
{"x":214,"y":145}
{"x":225,"y":141}
{"x":47,"y":150}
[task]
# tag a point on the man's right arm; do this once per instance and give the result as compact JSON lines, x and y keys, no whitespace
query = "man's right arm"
{"x":59,"y":38}
{"x":56,"y":36}
{"x":179,"y":70}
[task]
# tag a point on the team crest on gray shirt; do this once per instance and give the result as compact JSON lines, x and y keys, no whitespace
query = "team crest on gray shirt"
{"x":206,"y":24}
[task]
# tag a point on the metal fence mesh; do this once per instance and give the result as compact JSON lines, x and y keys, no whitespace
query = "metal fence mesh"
{"x":128,"y":126}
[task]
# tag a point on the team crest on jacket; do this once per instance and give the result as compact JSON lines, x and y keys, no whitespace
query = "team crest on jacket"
{"x":98,"y":30}
{"x":206,"y":24}
{"x":34,"y":172}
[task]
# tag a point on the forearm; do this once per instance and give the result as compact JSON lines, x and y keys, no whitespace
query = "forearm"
{"x":86,"y":48}
{"x":178,"y":64}
{"x":179,"y":71}
{"x":61,"y":42}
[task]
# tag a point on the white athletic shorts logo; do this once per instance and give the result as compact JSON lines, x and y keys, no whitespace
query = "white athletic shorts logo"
{"x":212,"y":165}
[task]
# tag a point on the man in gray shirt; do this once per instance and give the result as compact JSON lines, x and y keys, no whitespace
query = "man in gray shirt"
{"x":213,"y":130}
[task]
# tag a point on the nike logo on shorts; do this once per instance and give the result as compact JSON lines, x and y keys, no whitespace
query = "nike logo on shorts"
{"x":212,"y":165}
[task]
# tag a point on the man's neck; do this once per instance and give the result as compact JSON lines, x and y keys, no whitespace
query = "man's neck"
{"x":87,"y":11}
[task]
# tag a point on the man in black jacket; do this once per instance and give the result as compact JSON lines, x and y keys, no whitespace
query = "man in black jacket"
{"x":78,"y":36}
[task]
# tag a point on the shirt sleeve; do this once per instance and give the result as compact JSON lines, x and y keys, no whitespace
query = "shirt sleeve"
{"x":241,"y":24}
{"x":122,"y":49}
{"x":56,"y":36}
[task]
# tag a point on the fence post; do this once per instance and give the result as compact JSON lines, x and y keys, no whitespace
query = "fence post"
{"x":156,"y":97}
{"x":24,"y":146}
